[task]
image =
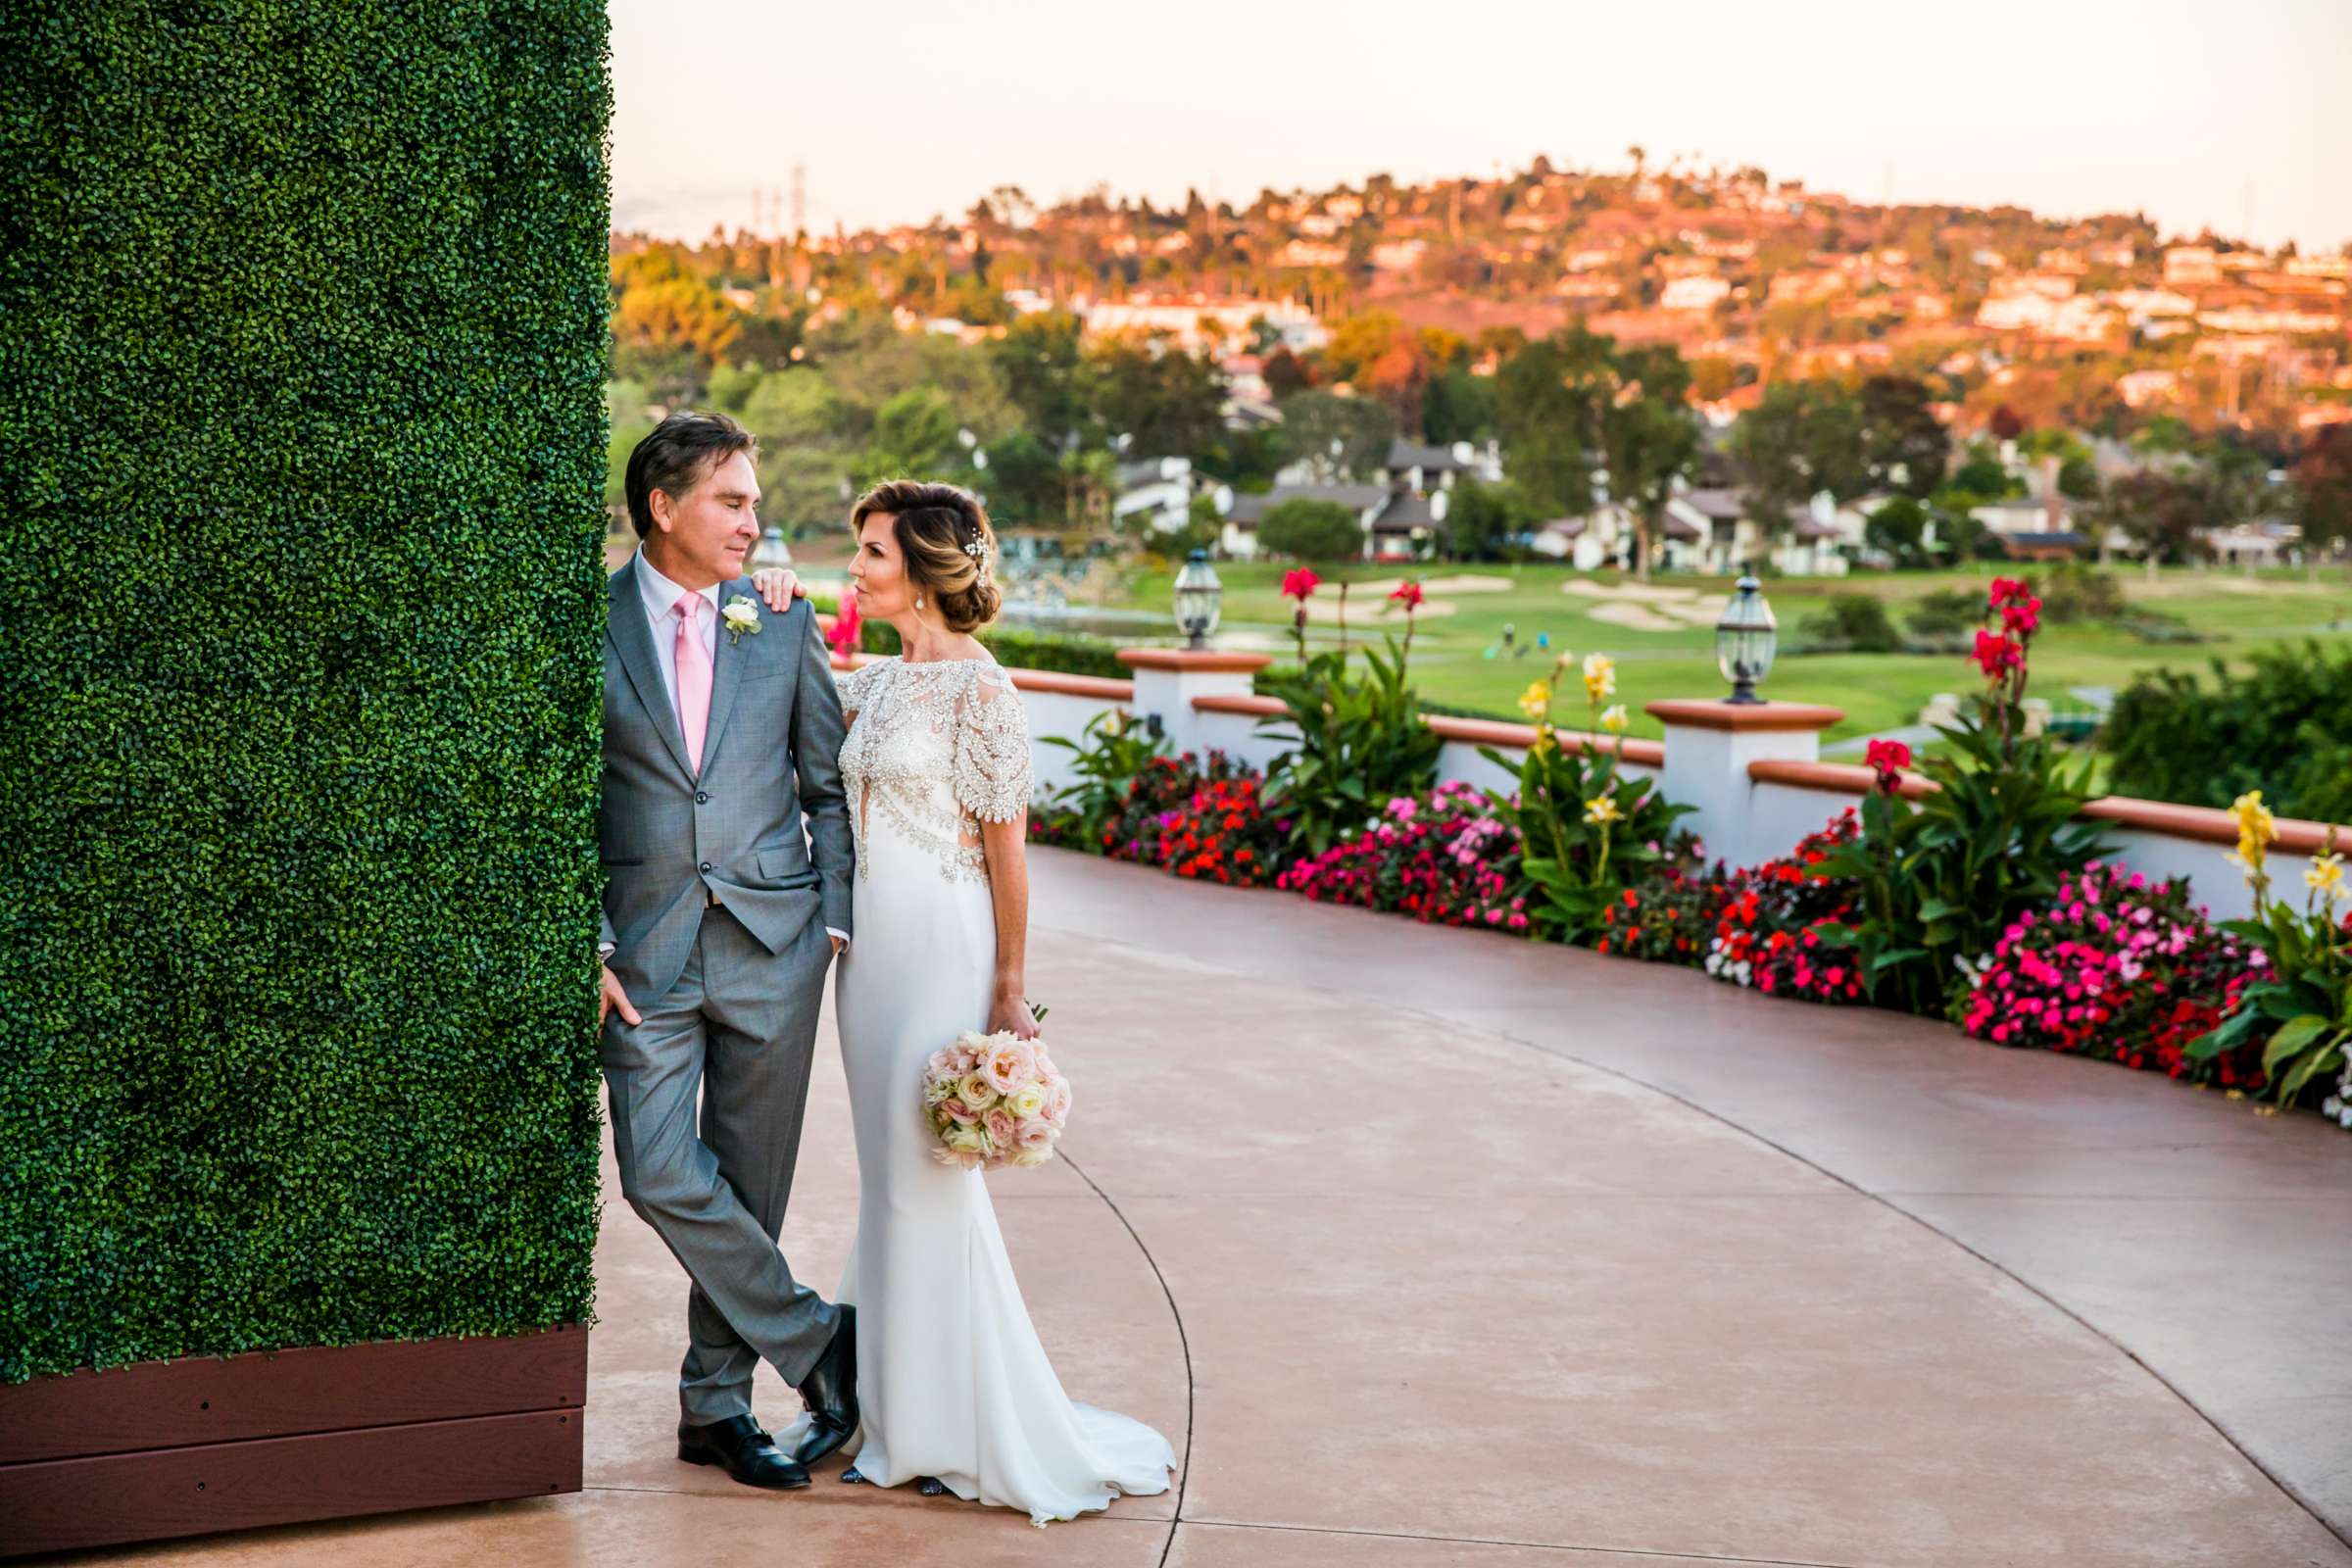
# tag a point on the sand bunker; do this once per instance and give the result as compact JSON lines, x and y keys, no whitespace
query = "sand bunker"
{"x":1467,"y":583}
{"x":1639,"y":591}
{"x":1636,"y":617}
{"x":1373,"y":610}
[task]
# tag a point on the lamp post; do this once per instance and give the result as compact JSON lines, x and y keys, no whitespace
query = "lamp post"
{"x":1744,"y":640}
{"x":1199,"y":594}
{"x":772,"y":550}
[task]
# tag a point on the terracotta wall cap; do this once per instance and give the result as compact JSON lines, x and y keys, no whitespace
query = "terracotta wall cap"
{"x":1717,"y":714}
{"x":1519,"y":737}
{"x":1838,"y":778}
{"x":1198,"y":660}
{"x":2202,"y":824}
{"x":2208,"y":824}
{"x":1063,"y":684}
{"x":1239,"y":703}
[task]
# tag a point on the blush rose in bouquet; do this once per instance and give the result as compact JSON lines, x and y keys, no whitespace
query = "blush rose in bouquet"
{"x":995,"y":1099}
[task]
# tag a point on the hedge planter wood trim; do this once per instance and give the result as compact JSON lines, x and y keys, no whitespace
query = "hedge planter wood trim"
{"x":184,"y":1448}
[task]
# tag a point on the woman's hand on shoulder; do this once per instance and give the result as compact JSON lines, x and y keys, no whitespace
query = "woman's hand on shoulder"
{"x":779,"y":587}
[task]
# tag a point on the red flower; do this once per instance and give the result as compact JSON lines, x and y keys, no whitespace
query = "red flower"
{"x":843,"y":638}
{"x":1996,"y":655}
{"x":2005,"y":589}
{"x":2022,"y":617}
{"x":1298,"y":583}
{"x":1889,"y":759}
{"x":1407,"y":594}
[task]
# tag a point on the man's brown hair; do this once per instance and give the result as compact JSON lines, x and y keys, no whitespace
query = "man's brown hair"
{"x":678,"y":456}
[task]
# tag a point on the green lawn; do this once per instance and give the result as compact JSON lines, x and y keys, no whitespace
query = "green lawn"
{"x":1458,"y":660}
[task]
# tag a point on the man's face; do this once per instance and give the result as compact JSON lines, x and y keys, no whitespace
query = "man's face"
{"x":706,"y":534}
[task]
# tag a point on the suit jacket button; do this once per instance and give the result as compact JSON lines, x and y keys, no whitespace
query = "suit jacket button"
{"x":702,"y":797}
{"x":706,"y":865}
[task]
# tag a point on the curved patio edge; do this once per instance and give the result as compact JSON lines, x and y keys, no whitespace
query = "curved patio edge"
{"x":2143,"y":1211}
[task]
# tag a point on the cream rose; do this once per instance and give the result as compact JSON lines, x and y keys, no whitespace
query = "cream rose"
{"x":1026,"y":1100}
{"x":976,"y":1091}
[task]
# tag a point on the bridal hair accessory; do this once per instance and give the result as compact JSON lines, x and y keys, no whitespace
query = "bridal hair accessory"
{"x":977,"y":549}
{"x":995,"y":1099}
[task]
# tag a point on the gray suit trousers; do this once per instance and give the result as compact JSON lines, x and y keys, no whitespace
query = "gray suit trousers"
{"x":735,"y":1032}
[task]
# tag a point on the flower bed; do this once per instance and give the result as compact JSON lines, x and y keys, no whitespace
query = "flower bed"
{"x":1769,"y":926}
{"x":1984,"y":901}
{"x":1440,"y":857}
{"x":2120,"y":969}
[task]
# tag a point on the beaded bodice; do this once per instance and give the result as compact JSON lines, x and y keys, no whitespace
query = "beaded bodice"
{"x":932,"y":751}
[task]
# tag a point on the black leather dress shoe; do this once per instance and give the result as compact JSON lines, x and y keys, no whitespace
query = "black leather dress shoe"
{"x":738,"y":1446}
{"x":830,"y":1391}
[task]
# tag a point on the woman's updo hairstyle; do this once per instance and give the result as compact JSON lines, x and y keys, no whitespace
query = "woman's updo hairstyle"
{"x":950,"y":549}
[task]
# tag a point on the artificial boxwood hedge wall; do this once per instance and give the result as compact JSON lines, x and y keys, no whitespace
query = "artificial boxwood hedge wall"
{"x":301,"y":321}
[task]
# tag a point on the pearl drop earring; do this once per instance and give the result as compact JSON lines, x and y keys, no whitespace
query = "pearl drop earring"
{"x":918,"y":601}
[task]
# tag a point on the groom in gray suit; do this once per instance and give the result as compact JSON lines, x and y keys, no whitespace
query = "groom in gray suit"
{"x":727,"y":847}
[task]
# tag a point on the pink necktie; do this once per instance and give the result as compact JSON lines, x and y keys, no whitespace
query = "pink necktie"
{"x":694,"y":680}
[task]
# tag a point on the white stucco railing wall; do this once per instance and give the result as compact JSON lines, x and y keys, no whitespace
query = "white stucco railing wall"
{"x":1707,"y":762}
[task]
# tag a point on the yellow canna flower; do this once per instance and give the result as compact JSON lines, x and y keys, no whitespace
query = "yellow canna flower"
{"x":2327,"y":876}
{"x":2254,"y":819}
{"x":1601,"y":677}
{"x":1544,"y":743}
{"x":2257,"y":829}
{"x":1603,"y":809}
{"x":1535,"y":701}
{"x":1613,"y":718}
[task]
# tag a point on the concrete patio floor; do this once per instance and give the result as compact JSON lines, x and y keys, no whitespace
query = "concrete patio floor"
{"x":1431,"y":1248}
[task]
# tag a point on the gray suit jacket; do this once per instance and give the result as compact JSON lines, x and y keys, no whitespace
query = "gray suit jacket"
{"x":765,"y":826}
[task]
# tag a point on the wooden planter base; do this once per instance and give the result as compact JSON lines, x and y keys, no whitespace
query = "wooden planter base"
{"x":185,"y":1447}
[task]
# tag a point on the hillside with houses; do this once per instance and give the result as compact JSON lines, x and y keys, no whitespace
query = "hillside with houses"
{"x":1851,"y":385}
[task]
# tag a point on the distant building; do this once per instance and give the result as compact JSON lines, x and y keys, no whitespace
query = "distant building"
{"x":1397,"y":525}
{"x":2190,"y":266}
{"x":1294,"y":324}
{"x":1695,"y":293}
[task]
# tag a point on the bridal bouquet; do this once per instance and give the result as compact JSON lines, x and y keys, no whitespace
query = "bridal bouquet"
{"x":995,"y":1099}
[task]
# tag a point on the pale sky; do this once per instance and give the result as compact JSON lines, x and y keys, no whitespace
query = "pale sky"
{"x":2191,"y":111}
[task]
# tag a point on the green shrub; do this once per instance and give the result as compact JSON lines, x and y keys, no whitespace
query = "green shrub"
{"x":1855,"y":623}
{"x":1946,"y":615}
{"x":1360,"y":743}
{"x":1016,"y":648}
{"x":2282,"y":724}
{"x":302,"y":447}
{"x":1109,"y":754}
{"x":2074,"y":590}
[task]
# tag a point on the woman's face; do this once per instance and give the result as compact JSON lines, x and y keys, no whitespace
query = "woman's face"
{"x":878,"y":571}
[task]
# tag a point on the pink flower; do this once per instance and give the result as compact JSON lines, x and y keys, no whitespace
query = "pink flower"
{"x":1407,"y":594}
{"x":1298,"y":583}
{"x":1002,"y":1130}
{"x":959,"y":1113}
{"x":1037,"y":1134}
{"x":1008,"y":1064}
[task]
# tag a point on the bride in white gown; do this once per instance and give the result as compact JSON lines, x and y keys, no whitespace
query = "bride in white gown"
{"x":952,"y":1383}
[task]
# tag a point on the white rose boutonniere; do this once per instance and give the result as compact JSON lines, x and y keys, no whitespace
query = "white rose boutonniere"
{"x":739,"y":617}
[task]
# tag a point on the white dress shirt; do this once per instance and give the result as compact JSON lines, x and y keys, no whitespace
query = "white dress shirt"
{"x":661,"y":598}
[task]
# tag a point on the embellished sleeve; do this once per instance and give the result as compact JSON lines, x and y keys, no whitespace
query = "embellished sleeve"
{"x":992,"y":750}
{"x":853,"y":684}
